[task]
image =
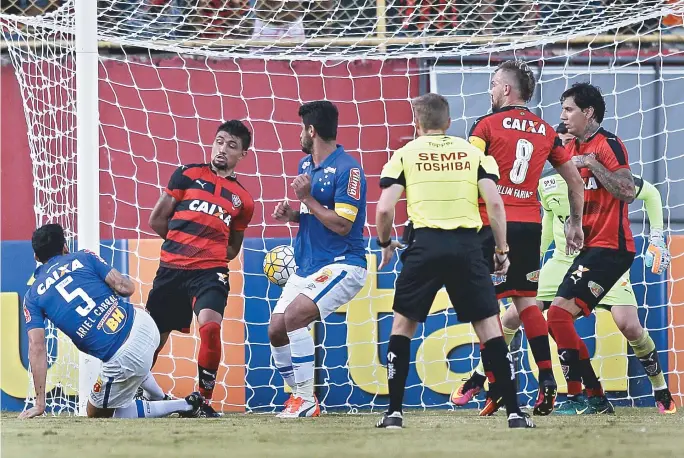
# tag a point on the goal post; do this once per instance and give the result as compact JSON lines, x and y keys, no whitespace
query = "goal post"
{"x":115,"y":99}
{"x":87,"y":159}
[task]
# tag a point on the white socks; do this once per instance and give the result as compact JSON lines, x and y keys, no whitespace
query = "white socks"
{"x":282,"y":359}
{"x":152,"y":388}
{"x":302,"y":348}
{"x":152,"y":409}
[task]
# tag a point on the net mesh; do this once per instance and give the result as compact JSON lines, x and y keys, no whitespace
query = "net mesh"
{"x":170,"y":71}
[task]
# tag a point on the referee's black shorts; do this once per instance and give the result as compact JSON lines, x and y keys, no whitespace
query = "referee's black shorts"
{"x":453,"y":259}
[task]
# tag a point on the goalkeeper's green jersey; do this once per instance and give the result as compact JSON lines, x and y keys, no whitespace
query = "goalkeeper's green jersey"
{"x":553,"y":194}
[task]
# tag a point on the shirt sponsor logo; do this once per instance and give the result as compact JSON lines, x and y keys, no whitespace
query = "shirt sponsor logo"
{"x":591,"y":183}
{"x":442,"y":162}
{"x":549,"y":184}
{"x":57,"y":274}
{"x":354,"y":186}
{"x":595,"y":288}
{"x":113,"y":320}
{"x":533,"y":276}
{"x":305,"y":165}
{"x":210,"y":209}
{"x":525,"y":125}
{"x":330,"y":170}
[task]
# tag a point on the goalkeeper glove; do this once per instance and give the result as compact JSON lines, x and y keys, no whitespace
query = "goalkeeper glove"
{"x":657,"y":255}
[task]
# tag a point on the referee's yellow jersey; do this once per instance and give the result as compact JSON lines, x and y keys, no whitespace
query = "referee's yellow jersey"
{"x":440,"y":174}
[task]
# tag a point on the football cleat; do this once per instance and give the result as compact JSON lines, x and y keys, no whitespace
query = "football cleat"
{"x":299,"y":408}
{"x":520,"y":420}
{"x":575,"y":405}
{"x":601,"y":405}
{"x":492,"y":404}
{"x":207,"y":411}
{"x":391,"y":421}
{"x":546,"y":397}
{"x":664,"y":402}
{"x":469,"y":389}
{"x":196,"y":400}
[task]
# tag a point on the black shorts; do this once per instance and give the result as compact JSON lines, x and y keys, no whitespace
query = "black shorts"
{"x":176,"y":293}
{"x":523,"y":240}
{"x":593,"y":273}
{"x":451,"y":259}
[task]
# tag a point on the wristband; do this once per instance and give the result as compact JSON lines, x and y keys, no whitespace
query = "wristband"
{"x":383,"y":244}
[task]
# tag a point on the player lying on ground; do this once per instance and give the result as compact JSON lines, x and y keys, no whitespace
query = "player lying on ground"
{"x":620,"y":300}
{"x":521,"y":143}
{"x":202,"y":217}
{"x":79,"y":293}
{"x":329,"y":251}
{"x":444,"y":177}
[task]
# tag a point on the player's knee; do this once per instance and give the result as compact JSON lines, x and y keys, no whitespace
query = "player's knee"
{"x":277,"y":335}
{"x":630,"y":328}
{"x":210,"y":334}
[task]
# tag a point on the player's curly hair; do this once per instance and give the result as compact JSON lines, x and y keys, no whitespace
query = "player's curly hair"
{"x":587,"y":95}
{"x":524,"y":76}
{"x":323,"y":116}
{"x":48,"y":241}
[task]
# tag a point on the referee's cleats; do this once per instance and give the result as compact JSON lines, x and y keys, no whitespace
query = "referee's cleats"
{"x":520,"y":420}
{"x":393,"y":420}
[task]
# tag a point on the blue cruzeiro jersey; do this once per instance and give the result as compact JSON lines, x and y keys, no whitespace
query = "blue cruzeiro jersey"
{"x":70,"y":291}
{"x":338,"y":184}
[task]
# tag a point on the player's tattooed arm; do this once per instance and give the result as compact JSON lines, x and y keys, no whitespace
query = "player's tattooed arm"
{"x":38,"y":359}
{"x":123,"y":286}
{"x":161,"y":213}
{"x":619,"y":183}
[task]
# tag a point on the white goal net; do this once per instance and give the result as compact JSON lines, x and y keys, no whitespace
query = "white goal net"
{"x":171,"y":71}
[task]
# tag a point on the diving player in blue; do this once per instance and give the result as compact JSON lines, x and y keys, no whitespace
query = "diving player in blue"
{"x":79,"y":292}
{"x":329,"y":251}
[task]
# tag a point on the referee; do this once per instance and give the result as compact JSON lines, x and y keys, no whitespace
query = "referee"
{"x":443,"y":177}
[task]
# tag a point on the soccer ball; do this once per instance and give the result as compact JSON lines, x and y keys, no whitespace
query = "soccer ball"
{"x":279,"y":264}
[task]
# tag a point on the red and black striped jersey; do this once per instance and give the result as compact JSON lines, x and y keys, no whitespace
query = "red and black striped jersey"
{"x":209,"y":207}
{"x":605,"y":221}
{"x":521,"y":142}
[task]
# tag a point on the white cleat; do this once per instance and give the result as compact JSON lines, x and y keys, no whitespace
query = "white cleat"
{"x":299,"y":408}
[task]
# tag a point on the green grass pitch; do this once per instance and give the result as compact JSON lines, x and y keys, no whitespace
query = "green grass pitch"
{"x":638,"y":433}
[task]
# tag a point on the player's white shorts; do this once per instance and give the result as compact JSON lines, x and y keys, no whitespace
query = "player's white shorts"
{"x":553,"y":271}
{"x":266,"y":31}
{"x":121,"y":376}
{"x":330,"y":288}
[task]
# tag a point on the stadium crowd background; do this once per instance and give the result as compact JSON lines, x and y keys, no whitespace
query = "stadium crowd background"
{"x":237,"y":18}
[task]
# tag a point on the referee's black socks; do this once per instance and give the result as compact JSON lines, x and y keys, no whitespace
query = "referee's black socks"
{"x":495,"y":354}
{"x":398,"y":354}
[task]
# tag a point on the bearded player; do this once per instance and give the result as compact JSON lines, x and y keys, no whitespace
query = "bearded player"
{"x":521,"y":143}
{"x":609,"y":248}
{"x":202,"y":217}
{"x":620,"y":300}
{"x":84,"y":297}
{"x":329,"y":251}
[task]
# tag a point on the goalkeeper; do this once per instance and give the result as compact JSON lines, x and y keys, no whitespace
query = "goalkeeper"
{"x":620,"y":300}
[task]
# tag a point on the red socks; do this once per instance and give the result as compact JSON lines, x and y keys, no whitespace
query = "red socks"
{"x":209,"y":357}
{"x":537,"y":332}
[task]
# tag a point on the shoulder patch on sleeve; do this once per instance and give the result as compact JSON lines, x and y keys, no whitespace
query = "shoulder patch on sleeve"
{"x":354,"y":185}
{"x":27,"y":314}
